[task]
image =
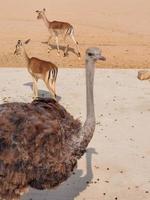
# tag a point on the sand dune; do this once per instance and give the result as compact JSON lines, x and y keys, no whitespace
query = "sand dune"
{"x":120,"y":28}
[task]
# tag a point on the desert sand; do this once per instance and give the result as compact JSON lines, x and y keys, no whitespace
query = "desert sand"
{"x":118,"y":158}
{"x":117,"y":163}
{"x":121,"y":28}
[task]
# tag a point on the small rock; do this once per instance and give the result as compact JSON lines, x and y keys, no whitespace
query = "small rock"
{"x":106,"y":181}
{"x":143,"y":156}
{"x":143,"y":75}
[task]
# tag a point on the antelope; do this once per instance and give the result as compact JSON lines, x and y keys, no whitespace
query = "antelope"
{"x":39,"y":69}
{"x":57,"y":28}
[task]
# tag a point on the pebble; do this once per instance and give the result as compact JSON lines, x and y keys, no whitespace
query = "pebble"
{"x":106,"y":181}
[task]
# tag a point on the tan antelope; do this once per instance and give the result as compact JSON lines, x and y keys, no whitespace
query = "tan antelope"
{"x":57,"y":28}
{"x":39,"y":69}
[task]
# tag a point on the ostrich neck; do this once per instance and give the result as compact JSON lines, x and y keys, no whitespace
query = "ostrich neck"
{"x":89,"y":90}
{"x":86,"y":132}
{"x":45,"y":20}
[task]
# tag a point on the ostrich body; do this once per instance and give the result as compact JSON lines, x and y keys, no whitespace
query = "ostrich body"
{"x":40,"y":142}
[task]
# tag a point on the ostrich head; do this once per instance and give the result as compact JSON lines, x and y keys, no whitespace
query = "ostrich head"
{"x":19,"y":46}
{"x":94,"y":54}
{"x":40,"y":13}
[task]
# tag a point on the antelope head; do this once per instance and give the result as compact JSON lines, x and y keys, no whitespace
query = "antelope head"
{"x":19,"y":46}
{"x":40,"y":13}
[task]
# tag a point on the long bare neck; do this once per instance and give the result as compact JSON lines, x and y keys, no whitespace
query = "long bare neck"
{"x":45,"y":20}
{"x":86,"y":133}
{"x":90,"y":68}
{"x":27,"y":59}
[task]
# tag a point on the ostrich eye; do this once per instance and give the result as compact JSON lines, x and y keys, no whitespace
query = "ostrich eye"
{"x":90,"y":54}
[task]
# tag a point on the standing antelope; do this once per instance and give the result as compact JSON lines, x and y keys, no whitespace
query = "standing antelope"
{"x":39,"y":69}
{"x":57,"y":28}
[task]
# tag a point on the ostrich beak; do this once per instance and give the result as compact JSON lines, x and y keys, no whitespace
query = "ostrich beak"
{"x":102,"y":58}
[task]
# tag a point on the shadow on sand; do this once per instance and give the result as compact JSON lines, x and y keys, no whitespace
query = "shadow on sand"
{"x":69,"y":189}
{"x":41,"y":93}
{"x":62,"y":48}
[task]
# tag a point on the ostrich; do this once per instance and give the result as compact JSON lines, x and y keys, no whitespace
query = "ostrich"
{"x":40,"y":142}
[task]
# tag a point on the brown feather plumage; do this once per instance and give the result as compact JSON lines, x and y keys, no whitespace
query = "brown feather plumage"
{"x":33,"y":150}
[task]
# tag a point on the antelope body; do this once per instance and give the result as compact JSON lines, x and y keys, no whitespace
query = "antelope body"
{"x":57,"y":28}
{"x":39,"y":69}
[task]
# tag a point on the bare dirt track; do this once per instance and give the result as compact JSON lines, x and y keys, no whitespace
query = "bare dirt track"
{"x":120,"y":28}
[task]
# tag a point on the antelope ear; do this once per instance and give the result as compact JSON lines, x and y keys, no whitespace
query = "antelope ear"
{"x":27,"y":41}
{"x":44,"y":9}
{"x":19,"y":42}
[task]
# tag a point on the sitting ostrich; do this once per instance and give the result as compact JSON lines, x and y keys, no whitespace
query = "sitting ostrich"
{"x":39,"y":69}
{"x":40,"y":142}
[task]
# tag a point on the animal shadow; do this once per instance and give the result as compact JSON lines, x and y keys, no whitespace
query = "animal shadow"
{"x":69,"y":189}
{"x":42,"y":93}
{"x":62,"y":48}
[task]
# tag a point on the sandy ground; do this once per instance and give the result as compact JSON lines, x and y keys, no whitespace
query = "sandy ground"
{"x":121,"y":28}
{"x":117,"y":162}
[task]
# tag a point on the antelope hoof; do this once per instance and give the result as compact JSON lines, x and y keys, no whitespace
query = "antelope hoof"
{"x":34,"y":97}
{"x":54,"y":97}
{"x":48,"y":51}
{"x":65,"y":54}
{"x":79,"y":55}
{"x":58,"y":53}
